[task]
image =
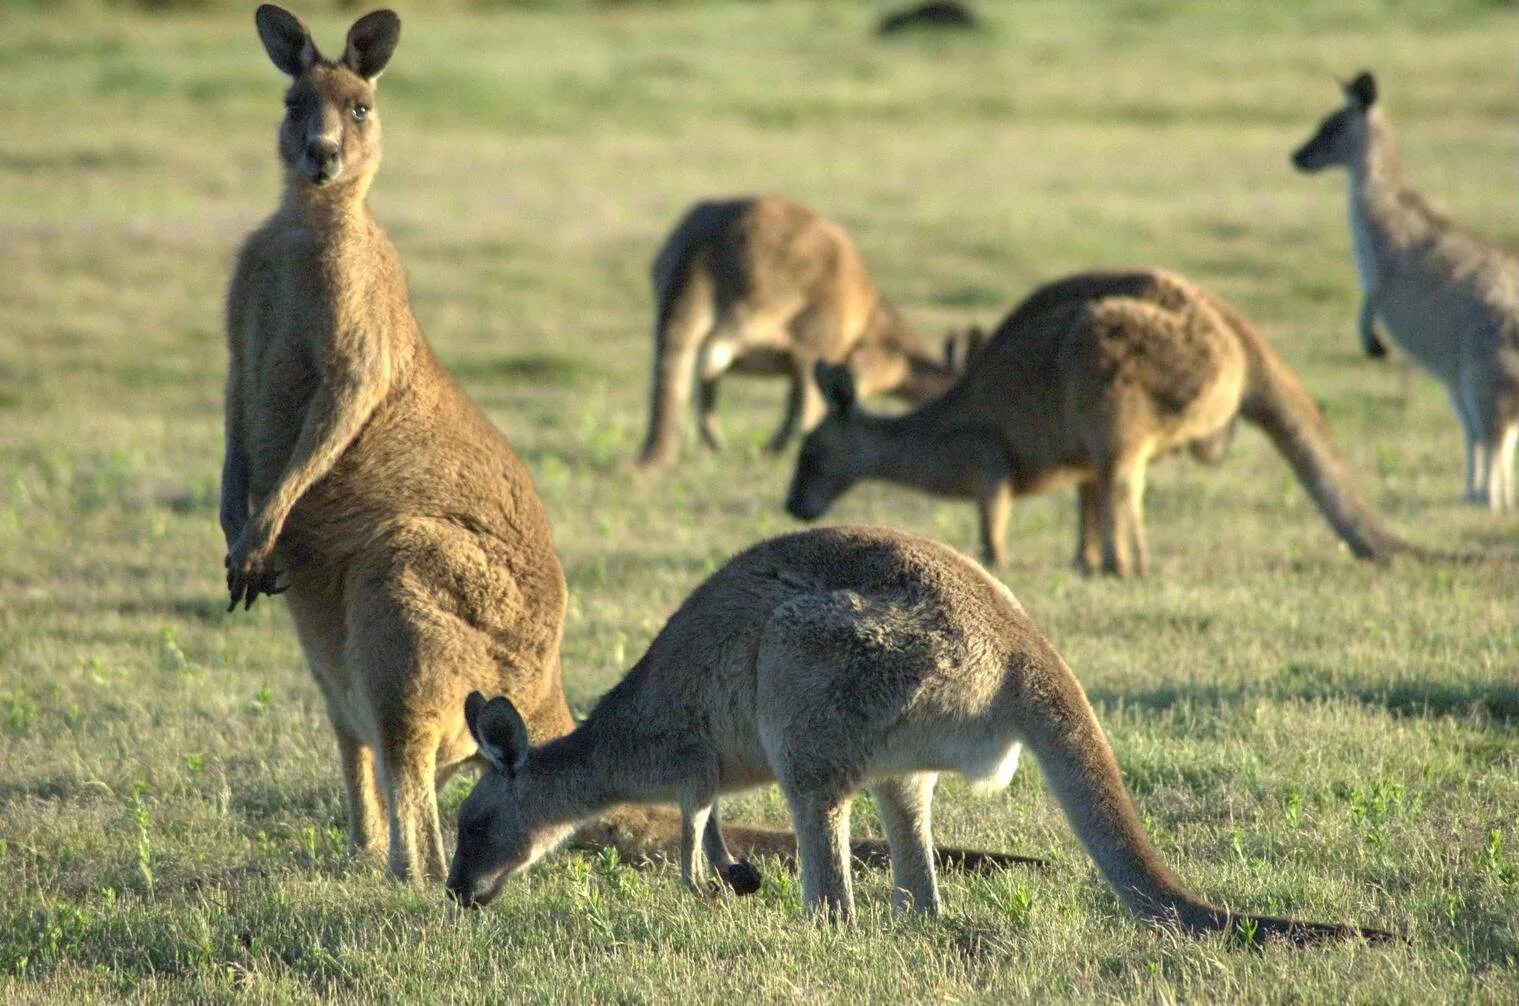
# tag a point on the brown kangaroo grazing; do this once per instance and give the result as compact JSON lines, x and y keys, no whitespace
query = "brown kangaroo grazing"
{"x":416,"y":553}
{"x":1085,"y":382}
{"x":765,"y":285}
{"x":1449,"y":299}
{"x":829,"y":660}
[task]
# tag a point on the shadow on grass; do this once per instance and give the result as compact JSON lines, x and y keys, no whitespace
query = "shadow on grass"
{"x":552,"y":369}
{"x":1497,"y":700}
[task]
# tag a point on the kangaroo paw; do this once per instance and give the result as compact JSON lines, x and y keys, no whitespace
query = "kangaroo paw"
{"x":743,"y":877}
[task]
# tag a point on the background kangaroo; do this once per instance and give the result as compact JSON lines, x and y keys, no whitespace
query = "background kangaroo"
{"x":416,"y":553}
{"x":1084,"y":383}
{"x":765,"y":285}
{"x":826,"y":661}
{"x":1448,"y":299}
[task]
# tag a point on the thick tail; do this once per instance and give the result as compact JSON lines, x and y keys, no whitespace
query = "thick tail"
{"x":648,"y":833}
{"x":1276,"y":402}
{"x":1063,"y":734}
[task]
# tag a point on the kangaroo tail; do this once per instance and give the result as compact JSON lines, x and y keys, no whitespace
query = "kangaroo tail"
{"x":682,"y":301}
{"x":646,"y":833}
{"x":1277,"y":402}
{"x":1063,"y":734}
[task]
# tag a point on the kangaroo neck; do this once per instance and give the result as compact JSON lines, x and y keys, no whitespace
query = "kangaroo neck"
{"x":914,"y":450}
{"x":590,"y":770}
{"x":333,"y":212}
{"x":1377,"y":211}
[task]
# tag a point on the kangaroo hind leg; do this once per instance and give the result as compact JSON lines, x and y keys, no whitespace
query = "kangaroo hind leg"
{"x":1088,"y":527}
{"x":685,"y":319}
{"x":412,"y":666}
{"x":821,"y":821}
{"x":905,"y":804}
{"x":317,"y":611}
{"x":1121,"y":489}
{"x":1500,"y":469}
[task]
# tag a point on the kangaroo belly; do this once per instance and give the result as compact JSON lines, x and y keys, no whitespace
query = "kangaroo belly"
{"x":1425,"y":321}
{"x":989,"y":769}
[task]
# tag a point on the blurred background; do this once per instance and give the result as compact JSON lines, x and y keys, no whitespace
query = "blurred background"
{"x":1302,"y":731}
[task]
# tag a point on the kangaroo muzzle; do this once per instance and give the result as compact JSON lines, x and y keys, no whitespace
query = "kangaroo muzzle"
{"x":323,"y":160}
{"x":801,"y":507}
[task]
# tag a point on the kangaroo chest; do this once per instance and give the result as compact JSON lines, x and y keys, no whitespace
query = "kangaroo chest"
{"x":1412,"y":294}
{"x":1362,"y":248}
{"x":287,"y":327}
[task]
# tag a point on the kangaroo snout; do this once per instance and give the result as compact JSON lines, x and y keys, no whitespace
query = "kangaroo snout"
{"x":467,"y":894}
{"x":802,"y":508}
{"x":1303,"y":159}
{"x":324,"y":160}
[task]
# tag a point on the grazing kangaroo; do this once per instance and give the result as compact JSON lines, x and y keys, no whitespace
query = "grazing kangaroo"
{"x":829,"y":660}
{"x":765,"y":285}
{"x":1085,"y":382}
{"x":358,"y":475}
{"x":1449,"y":299}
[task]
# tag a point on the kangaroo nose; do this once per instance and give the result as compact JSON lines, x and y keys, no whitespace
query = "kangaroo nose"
{"x":460,"y":894}
{"x":801,"y":509}
{"x":325,"y":157}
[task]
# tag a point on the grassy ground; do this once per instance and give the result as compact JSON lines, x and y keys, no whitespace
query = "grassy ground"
{"x":1302,"y":733}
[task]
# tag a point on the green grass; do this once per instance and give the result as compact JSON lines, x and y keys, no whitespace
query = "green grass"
{"x":1302,"y":733}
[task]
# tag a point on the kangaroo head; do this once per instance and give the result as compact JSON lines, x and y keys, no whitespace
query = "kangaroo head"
{"x":494,"y":838}
{"x":831,"y":457}
{"x":330,"y":133}
{"x":1342,"y":135}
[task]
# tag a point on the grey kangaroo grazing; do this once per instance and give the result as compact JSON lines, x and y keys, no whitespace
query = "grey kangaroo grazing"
{"x":358,"y":475}
{"x":827,"y":661}
{"x":1449,"y":299}
{"x":765,"y":285}
{"x":1084,"y":383}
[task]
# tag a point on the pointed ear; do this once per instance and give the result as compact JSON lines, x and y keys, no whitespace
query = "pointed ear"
{"x":473,"y":703}
{"x":960,"y":348}
{"x":1362,"y":90}
{"x":836,"y":383}
{"x":285,"y":39}
{"x":371,"y":41}
{"x":499,"y":730}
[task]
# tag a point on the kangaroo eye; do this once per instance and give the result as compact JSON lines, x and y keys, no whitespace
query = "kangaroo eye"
{"x":360,"y":113}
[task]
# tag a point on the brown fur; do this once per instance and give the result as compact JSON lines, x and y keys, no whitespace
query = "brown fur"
{"x":828,"y":661}
{"x":1448,"y":298}
{"x":416,"y":553}
{"x":1084,"y":383}
{"x":764,"y":285}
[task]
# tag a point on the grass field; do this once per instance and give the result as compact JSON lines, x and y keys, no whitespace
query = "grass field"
{"x":1303,"y":734}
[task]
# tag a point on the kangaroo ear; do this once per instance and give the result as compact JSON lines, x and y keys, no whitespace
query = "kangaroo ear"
{"x":498,"y":728}
{"x":473,"y":703}
{"x":836,"y":383}
{"x":1362,"y":90}
{"x":371,"y":42}
{"x":285,"y":39}
{"x":961,"y":347}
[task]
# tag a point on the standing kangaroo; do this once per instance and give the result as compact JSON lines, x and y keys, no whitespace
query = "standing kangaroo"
{"x":765,"y":285}
{"x":1449,"y":299}
{"x":416,"y":552}
{"x":825,"y":661}
{"x":358,"y":475}
{"x":1085,"y":382}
